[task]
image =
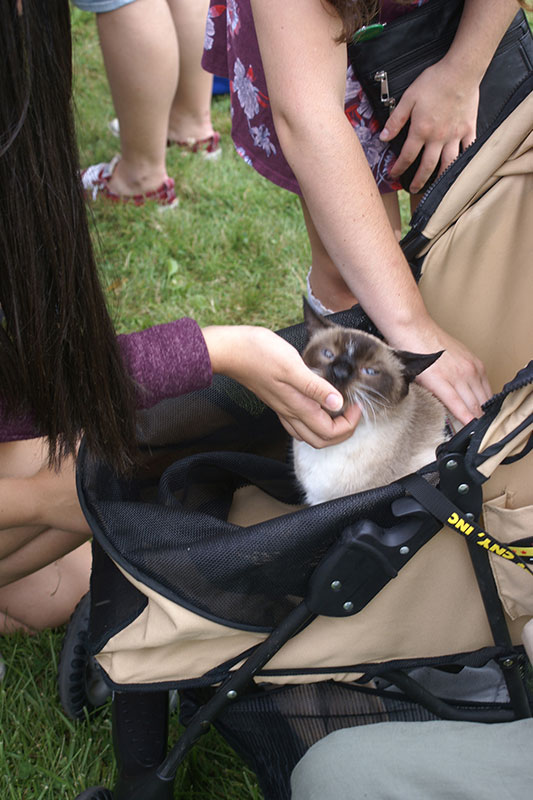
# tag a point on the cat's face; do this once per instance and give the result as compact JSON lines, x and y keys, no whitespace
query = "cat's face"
{"x":363,"y":368}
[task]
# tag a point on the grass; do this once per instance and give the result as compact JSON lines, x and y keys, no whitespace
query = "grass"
{"x":235,"y":251}
{"x":44,"y":755}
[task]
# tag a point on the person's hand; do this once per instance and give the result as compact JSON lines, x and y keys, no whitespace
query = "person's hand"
{"x":457,"y":378}
{"x":442,"y":109}
{"x":273,"y":369}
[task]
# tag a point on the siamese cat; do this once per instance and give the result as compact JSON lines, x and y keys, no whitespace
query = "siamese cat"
{"x":401,"y":424}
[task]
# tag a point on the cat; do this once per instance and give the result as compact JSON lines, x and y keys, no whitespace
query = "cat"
{"x":401,"y":424}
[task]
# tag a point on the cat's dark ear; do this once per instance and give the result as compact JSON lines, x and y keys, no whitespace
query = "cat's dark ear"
{"x":313,"y":320}
{"x":415,"y":363}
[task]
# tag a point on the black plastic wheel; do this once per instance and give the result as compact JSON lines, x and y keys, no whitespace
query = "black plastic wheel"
{"x":96,"y":793}
{"x":80,"y":683}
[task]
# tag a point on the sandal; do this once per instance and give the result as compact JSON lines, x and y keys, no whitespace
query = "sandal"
{"x":95,"y":180}
{"x":208,"y":147}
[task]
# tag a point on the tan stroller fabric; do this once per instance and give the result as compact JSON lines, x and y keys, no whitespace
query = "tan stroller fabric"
{"x":477,"y":281}
{"x":442,"y":611}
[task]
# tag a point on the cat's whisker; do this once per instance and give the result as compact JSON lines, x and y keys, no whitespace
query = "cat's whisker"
{"x":364,"y":398}
{"x":373,"y":390}
{"x":365,"y":403}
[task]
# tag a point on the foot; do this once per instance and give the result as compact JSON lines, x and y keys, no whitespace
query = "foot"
{"x":209,"y":147}
{"x":97,"y":180}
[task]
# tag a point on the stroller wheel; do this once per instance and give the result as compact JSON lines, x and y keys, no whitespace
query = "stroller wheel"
{"x":80,"y":684}
{"x":96,"y":793}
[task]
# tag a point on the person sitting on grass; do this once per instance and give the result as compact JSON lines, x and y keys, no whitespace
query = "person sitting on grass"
{"x":64,"y":373}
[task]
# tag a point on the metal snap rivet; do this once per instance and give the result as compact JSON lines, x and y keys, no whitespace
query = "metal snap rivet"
{"x":231,"y":695}
{"x":404,"y":550}
{"x":348,"y":606}
{"x":463,"y":488}
{"x":451,"y":464}
{"x":336,"y":586}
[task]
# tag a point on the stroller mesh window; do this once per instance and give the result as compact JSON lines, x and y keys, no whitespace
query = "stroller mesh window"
{"x":181,"y":543}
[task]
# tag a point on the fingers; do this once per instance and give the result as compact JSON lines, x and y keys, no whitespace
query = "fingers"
{"x":397,"y":120}
{"x":434,"y":155}
{"x":322,"y":392}
{"x":469,"y":137}
{"x":462,"y":387}
{"x":409,"y":153}
{"x":319,"y":429}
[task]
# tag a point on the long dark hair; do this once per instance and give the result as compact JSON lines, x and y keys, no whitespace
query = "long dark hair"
{"x":59,"y":359}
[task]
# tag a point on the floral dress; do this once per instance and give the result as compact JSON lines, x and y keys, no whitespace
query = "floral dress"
{"x":231,"y":51}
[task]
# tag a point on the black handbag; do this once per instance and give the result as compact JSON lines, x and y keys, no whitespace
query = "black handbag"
{"x":387,"y":63}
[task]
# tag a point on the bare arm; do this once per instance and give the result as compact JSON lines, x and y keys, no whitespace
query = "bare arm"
{"x":305,"y":72}
{"x":34,"y":497}
{"x":442,"y":102}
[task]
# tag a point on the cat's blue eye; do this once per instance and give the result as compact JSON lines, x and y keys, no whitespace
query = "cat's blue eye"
{"x":327,"y":354}
{"x":369,"y":371}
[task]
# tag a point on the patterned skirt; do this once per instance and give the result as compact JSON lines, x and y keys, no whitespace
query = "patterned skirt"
{"x":231,"y":51}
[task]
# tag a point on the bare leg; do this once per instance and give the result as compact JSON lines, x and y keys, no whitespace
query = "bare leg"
{"x":392,"y":207}
{"x":140,"y":52}
{"x":46,"y":598}
{"x":190,"y":114}
{"x":44,"y":571}
{"x":327,"y":284}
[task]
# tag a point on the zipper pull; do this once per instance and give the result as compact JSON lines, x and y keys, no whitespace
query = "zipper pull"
{"x":382,"y":78}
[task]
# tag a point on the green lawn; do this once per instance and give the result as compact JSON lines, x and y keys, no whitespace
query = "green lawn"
{"x":234,"y":251}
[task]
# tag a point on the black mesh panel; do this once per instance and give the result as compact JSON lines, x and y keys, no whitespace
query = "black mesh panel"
{"x":272,"y":730}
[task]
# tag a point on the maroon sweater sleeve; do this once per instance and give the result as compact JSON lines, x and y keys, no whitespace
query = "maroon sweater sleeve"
{"x":164,"y":361}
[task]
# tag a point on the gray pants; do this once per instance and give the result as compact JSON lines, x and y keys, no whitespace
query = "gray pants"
{"x":419,"y":761}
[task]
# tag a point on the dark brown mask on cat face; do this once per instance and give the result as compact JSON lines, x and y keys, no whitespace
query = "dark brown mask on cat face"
{"x":363,"y":368}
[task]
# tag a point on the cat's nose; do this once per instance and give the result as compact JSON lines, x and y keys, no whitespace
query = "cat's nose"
{"x":341,"y":370}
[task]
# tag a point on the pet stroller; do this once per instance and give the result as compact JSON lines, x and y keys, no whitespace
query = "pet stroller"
{"x":278,"y":623}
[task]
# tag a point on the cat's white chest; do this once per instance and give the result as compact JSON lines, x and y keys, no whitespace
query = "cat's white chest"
{"x":339,"y":470}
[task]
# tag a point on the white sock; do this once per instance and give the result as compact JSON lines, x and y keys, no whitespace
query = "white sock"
{"x":314,"y":302}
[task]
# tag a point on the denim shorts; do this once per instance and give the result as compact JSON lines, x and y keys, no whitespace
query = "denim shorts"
{"x":99,"y":6}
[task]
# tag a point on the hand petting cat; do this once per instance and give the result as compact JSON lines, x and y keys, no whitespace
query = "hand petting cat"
{"x":273,"y":369}
{"x":458,"y":378}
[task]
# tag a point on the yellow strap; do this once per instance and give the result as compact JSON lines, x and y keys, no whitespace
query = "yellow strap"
{"x":526,"y":552}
